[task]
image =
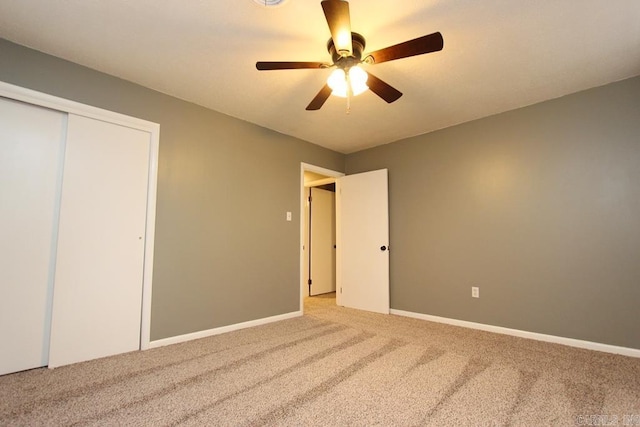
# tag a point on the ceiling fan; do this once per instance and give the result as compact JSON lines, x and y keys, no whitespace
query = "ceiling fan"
{"x":346,"y":50}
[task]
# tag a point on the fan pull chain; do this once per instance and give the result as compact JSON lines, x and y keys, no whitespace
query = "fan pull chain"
{"x":349,"y":92}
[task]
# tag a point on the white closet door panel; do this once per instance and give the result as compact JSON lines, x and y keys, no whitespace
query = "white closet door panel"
{"x":31,"y":150}
{"x":99,"y":268}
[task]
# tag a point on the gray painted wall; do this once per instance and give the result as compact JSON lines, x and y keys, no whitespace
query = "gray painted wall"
{"x":539,"y":207}
{"x":224,"y":253}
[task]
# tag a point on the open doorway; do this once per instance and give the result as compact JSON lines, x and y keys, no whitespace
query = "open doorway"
{"x":318,"y":233}
{"x":320,"y":238}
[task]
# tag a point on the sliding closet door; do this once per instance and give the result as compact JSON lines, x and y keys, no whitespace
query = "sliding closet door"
{"x":31,"y":152}
{"x":100,"y":258}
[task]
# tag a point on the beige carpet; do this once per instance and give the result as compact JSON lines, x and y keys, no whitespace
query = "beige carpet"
{"x":336,"y":367}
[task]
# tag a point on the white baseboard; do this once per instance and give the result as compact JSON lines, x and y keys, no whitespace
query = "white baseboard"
{"x":222,"y":329}
{"x":625,"y":351}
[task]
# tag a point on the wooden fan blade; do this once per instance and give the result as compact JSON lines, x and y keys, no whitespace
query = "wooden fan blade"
{"x":339,"y":20}
{"x":382,"y":89}
{"x":284,"y":65}
{"x":320,"y":98}
{"x":425,"y":44}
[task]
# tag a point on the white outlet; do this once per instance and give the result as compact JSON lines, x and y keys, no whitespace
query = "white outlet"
{"x":475,"y":292}
{"x":288,"y":216}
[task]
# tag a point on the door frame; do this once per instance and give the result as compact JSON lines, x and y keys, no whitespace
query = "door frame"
{"x":333,"y":175}
{"x":67,"y":106}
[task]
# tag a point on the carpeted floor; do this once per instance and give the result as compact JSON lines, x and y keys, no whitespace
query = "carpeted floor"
{"x":335,"y":367}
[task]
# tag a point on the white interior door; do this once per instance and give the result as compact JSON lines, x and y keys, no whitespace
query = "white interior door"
{"x":363,"y":241}
{"x":99,"y":267}
{"x":323,"y":231}
{"x":31,"y":148}
{"x":306,"y":251}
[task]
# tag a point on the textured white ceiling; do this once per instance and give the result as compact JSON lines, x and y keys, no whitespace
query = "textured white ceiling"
{"x":498,"y":55}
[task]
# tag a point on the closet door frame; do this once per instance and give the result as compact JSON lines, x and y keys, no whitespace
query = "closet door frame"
{"x":67,"y":106}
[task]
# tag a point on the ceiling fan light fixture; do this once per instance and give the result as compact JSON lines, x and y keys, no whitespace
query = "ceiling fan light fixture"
{"x":339,"y":81}
{"x":358,"y":78}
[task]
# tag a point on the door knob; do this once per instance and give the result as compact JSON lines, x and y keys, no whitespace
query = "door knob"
{"x":383,"y":248}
